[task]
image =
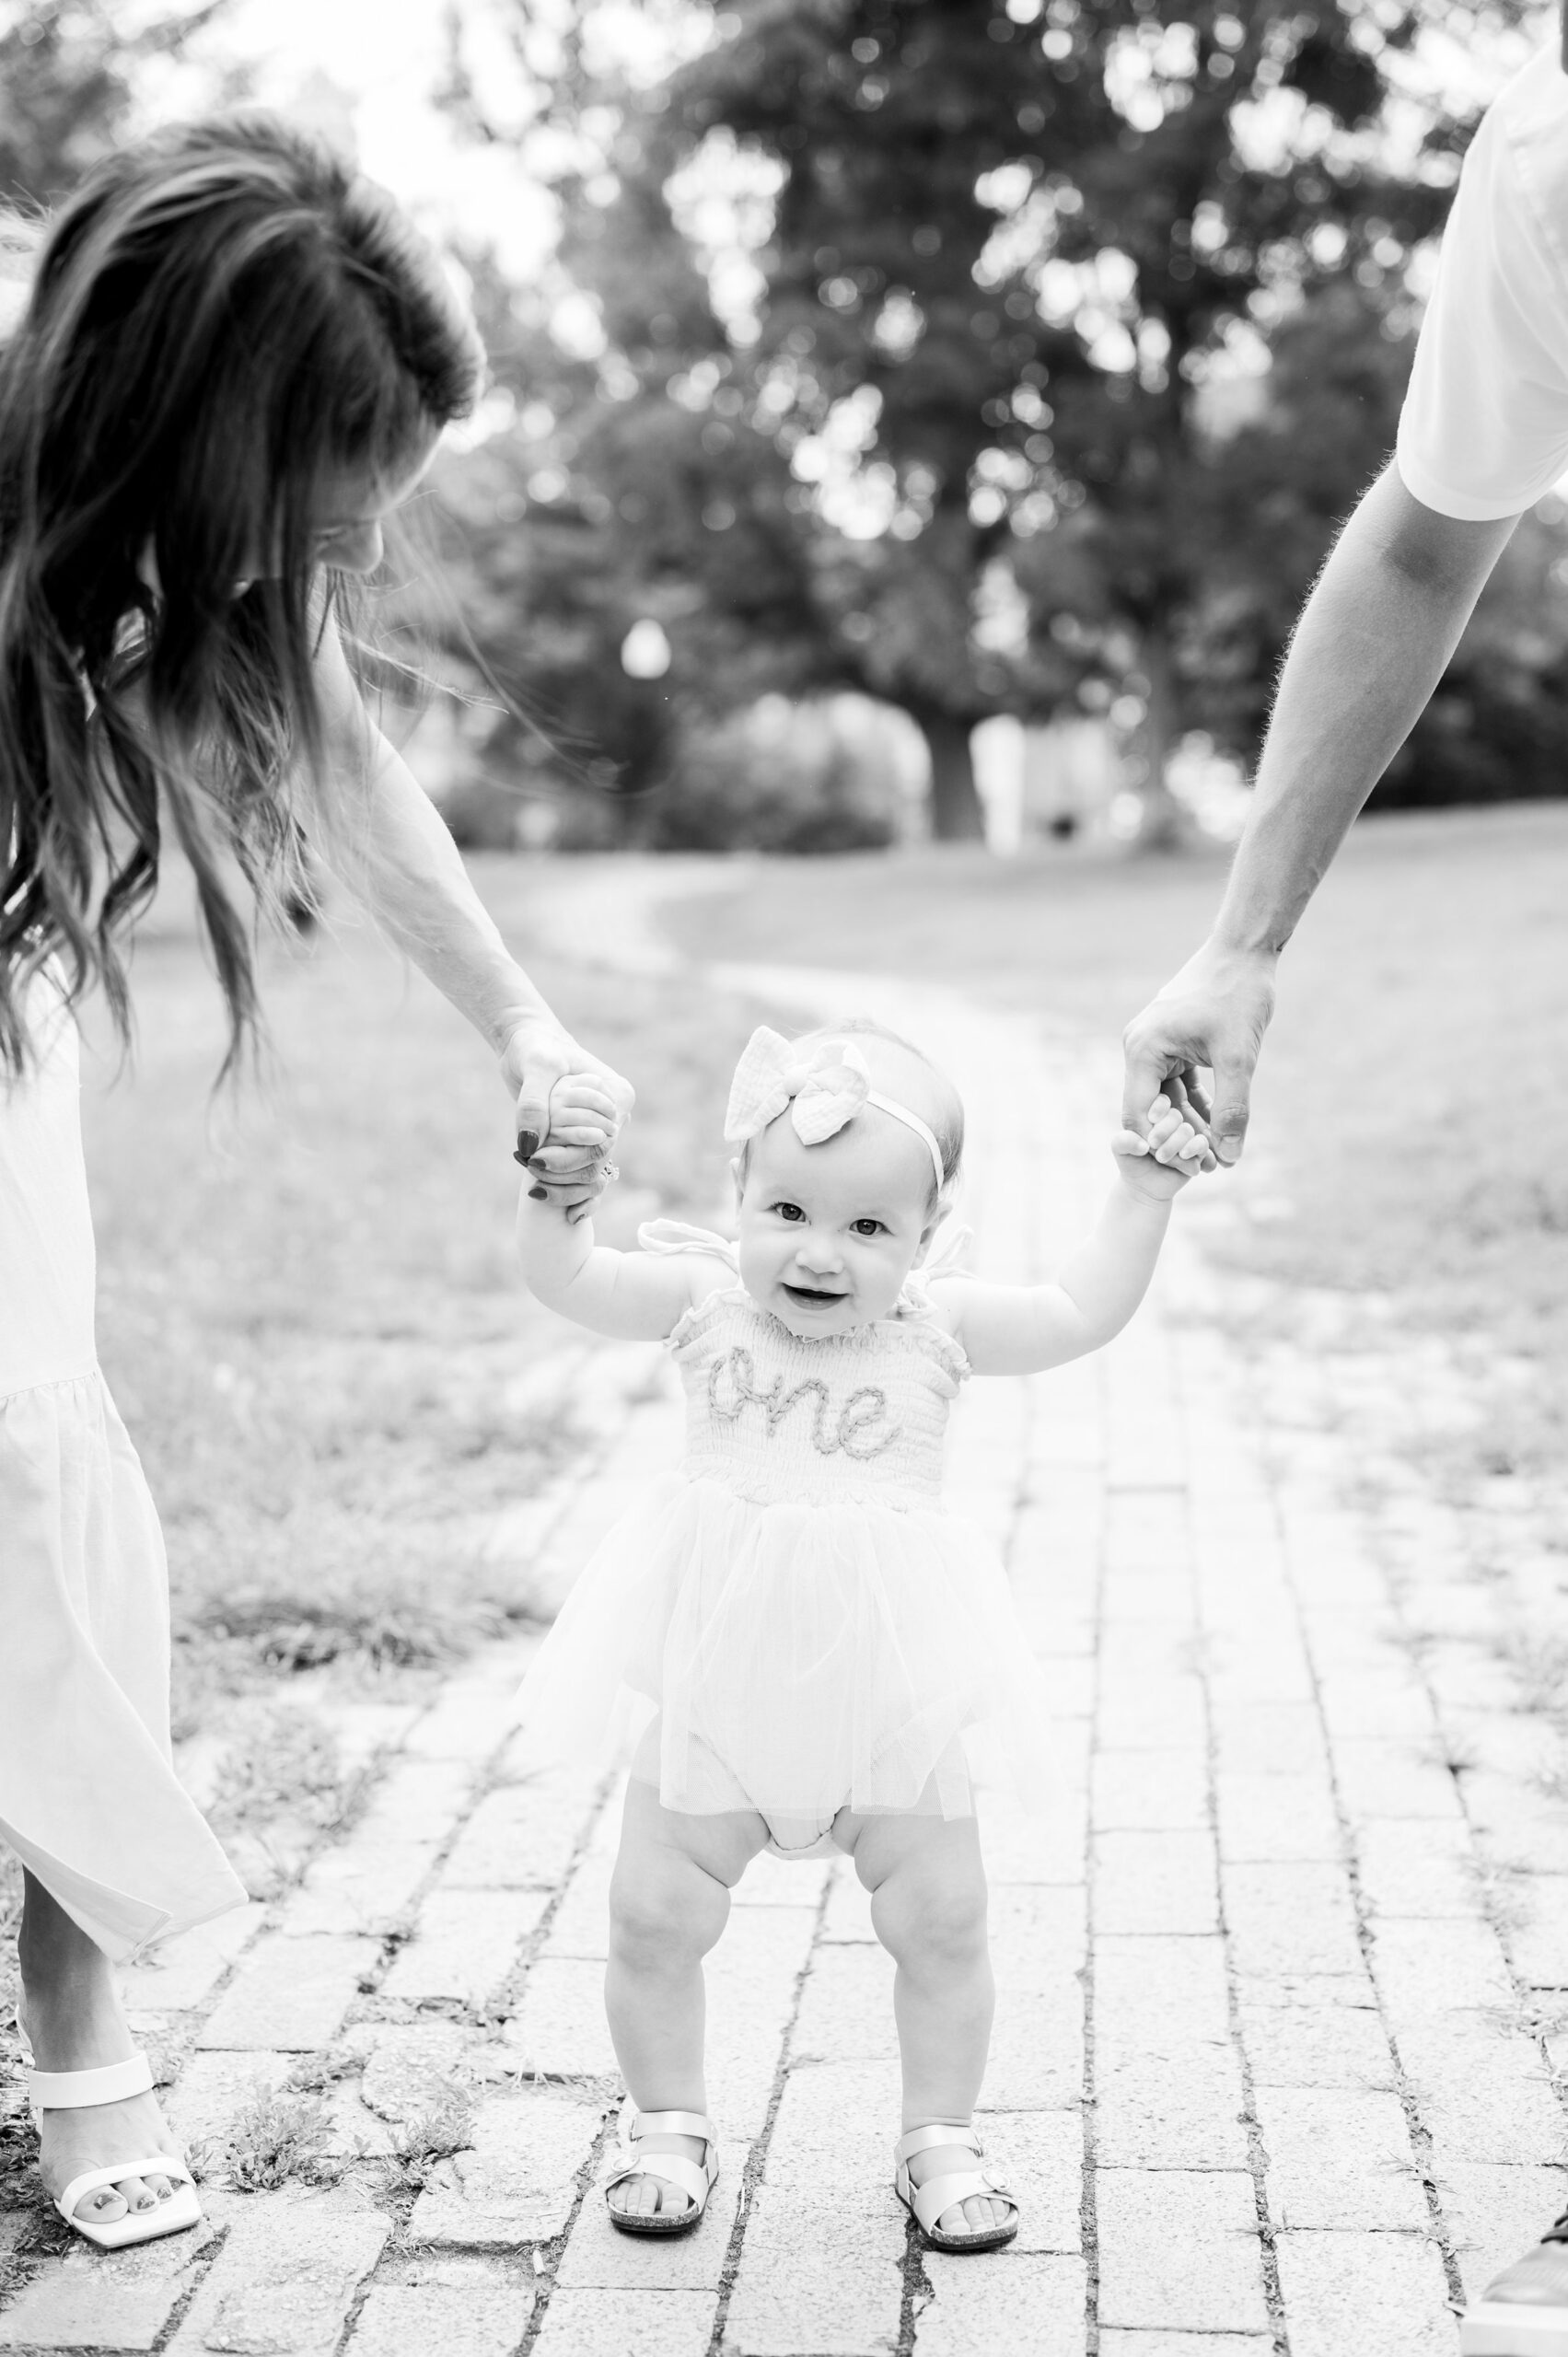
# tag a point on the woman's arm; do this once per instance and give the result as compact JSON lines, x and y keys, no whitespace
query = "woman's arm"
{"x":384,"y":837}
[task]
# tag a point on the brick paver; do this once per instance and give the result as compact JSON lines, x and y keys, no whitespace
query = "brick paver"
{"x":1280,"y":1974}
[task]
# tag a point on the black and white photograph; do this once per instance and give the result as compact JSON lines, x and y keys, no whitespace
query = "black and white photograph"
{"x":784,"y":1178}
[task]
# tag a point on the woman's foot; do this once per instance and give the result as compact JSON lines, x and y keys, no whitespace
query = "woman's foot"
{"x":71,"y":2018}
{"x":980,"y":2212}
{"x":71,"y":2142}
{"x":645,"y":2196}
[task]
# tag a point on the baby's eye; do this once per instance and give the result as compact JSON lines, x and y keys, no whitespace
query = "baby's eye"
{"x":789,"y":1211}
{"x":867,"y":1227}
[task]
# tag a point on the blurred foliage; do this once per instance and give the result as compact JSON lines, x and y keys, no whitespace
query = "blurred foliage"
{"x":794,"y":787}
{"x":66,"y":73}
{"x":974,"y":358}
{"x":1065,"y":336}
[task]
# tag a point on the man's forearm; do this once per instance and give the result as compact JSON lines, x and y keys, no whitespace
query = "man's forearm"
{"x":1372,"y":644}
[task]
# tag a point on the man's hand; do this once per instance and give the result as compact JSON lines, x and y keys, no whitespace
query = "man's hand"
{"x":561,"y":1154}
{"x":1209,"y":1017}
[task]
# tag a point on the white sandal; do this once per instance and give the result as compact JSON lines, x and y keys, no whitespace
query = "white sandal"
{"x":694,"y":2179}
{"x":927,"y":2202}
{"x":77,"y":2091}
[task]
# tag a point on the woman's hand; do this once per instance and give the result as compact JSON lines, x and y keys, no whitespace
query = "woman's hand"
{"x":568,"y":1158}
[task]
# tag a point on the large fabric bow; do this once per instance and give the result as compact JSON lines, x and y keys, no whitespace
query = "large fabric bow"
{"x":820,"y":1087}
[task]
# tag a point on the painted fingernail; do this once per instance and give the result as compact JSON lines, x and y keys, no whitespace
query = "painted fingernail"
{"x":538,"y":1194}
{"x":528,"y":1145}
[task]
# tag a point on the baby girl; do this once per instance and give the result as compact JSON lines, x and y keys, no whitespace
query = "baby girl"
{"x":803,"y":1650}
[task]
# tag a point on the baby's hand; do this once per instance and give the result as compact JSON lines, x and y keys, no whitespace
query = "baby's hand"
{"x":581,"y":1112}
{"x":1159,"y":1166}
{"x":572,"y":1170}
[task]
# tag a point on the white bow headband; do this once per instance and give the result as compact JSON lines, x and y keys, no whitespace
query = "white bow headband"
{"x":821,"y":1086}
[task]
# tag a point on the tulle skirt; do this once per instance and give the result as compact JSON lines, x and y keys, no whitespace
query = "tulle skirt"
{"x":799,"y":1659}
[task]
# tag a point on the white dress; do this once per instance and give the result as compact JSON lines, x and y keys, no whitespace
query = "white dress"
{"x":88,"y":1798}
{"x":791,"y":1621}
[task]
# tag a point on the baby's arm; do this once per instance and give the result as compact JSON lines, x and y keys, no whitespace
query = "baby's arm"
{"x":1018,"y":1330}
{"x":638,"y":1296}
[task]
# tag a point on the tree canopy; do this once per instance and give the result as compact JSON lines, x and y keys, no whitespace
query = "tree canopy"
{"x":948,"y":343}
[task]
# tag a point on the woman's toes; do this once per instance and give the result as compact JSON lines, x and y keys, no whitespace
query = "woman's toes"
{"x":160,"y":2188}
{"x":103,"y":2208}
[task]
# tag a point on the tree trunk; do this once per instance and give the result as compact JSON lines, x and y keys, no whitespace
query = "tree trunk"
{"x":1164,"y":826}
{"x":956,"y":814}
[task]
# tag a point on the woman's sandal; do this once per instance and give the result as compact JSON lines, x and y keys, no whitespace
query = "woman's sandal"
{"x":927,"y":2202}
{"x":76,"y":2091}
{"x":694,"y":2179}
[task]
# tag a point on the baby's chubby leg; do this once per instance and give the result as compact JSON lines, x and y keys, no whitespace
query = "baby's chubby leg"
{"x":928,"y":1904}
{"x":669,"y":1902}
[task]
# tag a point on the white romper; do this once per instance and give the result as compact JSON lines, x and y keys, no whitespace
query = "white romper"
{"x":792,"y":1621}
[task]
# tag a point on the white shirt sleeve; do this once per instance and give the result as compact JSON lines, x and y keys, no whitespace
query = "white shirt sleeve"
{"x":1485,"y":428}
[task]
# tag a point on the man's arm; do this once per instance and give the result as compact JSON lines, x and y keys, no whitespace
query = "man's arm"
{"x":1372,"y":644}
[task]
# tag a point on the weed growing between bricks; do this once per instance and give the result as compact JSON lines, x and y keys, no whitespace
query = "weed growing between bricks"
{"x":40,"y":2235}
{"x":275,"y":2139}
{"x":434,"y":2135}
{"x":280,"y":1792}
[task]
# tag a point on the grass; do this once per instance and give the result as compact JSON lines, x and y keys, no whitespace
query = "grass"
{"x":1410,"y":1127}
{"x":421,"y":2144}
{"x":276,"y":2138}
{"x":309,"y":1307}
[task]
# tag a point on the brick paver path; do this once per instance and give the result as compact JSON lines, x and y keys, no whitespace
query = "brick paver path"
{"x":1277,"y":2017}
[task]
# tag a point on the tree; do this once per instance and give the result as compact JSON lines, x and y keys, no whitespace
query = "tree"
{"x":1022,"y":248}
{"x":639,"y":507}
{"x":67,"y":70}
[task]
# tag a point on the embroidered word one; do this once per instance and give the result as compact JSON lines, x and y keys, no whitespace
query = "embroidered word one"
{"x":732,"y":1388}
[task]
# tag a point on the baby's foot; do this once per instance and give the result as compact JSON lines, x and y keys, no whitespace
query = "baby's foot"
{"x":980,"y":2210}
{"x":645,"y":2196}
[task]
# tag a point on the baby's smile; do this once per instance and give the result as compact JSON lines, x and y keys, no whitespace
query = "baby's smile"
{"x":813,"y":1296}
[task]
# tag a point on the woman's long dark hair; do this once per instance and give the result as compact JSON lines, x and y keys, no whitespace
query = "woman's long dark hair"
{"x":221,"y":320}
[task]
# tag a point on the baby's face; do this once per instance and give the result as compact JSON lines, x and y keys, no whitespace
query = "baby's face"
{"x":829,"y":1232}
